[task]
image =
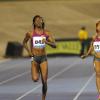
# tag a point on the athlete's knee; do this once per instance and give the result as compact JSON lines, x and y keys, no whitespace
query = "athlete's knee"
{"x":44,"y":88}
{"x":35,"y":79}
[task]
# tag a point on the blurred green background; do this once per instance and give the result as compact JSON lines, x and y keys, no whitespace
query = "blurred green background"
{"x":63,"y":18}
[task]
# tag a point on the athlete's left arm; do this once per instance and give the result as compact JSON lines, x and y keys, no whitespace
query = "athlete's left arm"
{"x":89,"y":51}
{"x":51,"y":41}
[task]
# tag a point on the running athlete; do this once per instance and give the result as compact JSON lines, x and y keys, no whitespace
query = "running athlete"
{"x":95,"y":46}
{"x":38,"y":38}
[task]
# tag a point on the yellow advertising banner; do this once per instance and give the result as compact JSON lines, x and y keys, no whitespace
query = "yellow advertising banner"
{"x":65,"y":47}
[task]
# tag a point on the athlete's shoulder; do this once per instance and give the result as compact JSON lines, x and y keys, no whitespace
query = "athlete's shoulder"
{"x":29,"y":33}
{"x":48,"y":32}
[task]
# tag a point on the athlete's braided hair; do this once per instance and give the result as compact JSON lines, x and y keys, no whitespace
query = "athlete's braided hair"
{"x":97,"y":25}
{"x":34,"y":18}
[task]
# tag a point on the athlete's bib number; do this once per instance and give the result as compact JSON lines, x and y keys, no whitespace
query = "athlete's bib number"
{"x":38,"y":42}
{"x":96,"y":46}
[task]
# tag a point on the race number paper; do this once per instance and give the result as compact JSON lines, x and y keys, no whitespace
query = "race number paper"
{"x":96,"y":46}
{"x":38,"y":43}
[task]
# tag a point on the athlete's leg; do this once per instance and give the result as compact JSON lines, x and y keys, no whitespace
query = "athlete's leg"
{"x":97,"y":69}
{"x":35,"y":71}
{"x":44,"y":76}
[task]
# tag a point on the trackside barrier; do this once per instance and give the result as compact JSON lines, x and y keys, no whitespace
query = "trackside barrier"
{"x":14,"y":49}
{"x":66,"y":47}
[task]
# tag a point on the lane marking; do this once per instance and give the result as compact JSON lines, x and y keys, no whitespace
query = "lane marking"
{"x":4,"y":60}
{"x":10,"y":79}
{"x":12,"y":66}
{"x":51,"y":78}
{"x":83,"y":88}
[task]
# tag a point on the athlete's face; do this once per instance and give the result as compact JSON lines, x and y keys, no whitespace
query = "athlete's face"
{"x":98,"y":29}
{"x":38,"y":22}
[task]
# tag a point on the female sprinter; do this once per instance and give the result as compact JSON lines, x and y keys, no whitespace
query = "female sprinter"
{"x":95,"y":46}
{"x":38,"y":38}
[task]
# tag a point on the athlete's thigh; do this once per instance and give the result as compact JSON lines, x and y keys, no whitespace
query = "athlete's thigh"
{"x":34,"y":70}
{"x":44,"y":70}
{"x":97,"y":66}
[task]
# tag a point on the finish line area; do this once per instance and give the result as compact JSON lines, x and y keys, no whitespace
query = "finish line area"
{"x":69,"y":78}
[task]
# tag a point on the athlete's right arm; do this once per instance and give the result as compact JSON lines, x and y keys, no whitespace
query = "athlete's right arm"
{"x":89,"y":51}
{"x":90,"y":48}
{"x":26,"y":39}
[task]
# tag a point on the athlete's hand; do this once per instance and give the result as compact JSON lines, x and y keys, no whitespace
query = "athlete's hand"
{"x":43,"y":40}
{"x":32,"y":58}
{"x":83,"y":56}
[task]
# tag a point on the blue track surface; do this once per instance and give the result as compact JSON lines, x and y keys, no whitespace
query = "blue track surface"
{"x":70,"y":78}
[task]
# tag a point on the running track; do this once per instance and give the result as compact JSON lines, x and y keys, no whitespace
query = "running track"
{"x":70,"y":78}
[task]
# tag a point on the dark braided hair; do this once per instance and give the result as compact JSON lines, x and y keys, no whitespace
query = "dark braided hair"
{"x":34,"y":18}
{"x":97,"y":26}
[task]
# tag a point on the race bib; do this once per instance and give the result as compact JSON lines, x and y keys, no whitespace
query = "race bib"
{"x":38,"y":43}
{"x":96,"y":46}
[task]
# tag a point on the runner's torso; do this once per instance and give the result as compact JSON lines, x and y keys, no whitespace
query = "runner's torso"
{"x":96,"y":45}
{"x":37,"y":45}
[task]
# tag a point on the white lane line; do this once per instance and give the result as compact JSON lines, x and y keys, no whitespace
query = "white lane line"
{"x":51,"y":78}
{"x":5,"y":60}
{"x":10,"y":79}
{"x":82,"y":89}
{"x":16,"y":65}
